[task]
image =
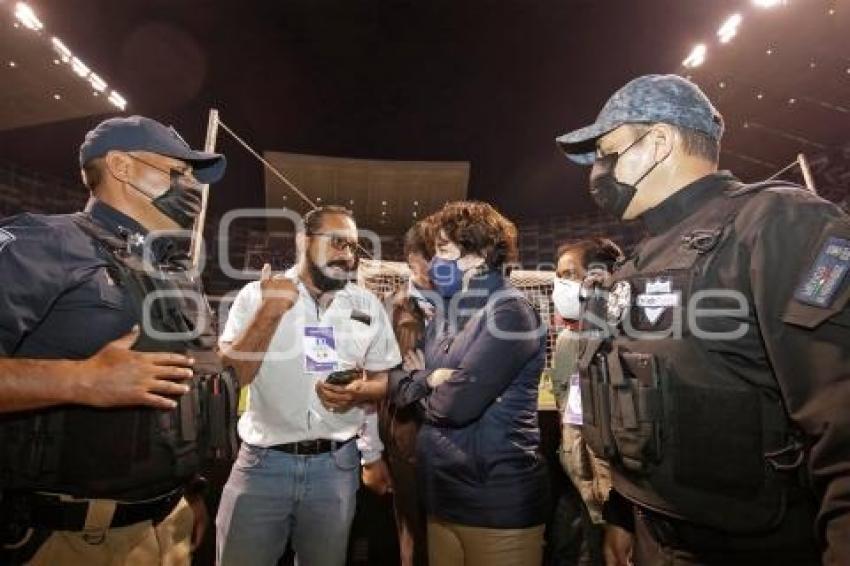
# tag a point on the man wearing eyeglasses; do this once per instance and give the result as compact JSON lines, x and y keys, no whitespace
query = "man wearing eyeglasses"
{"x":718,"y":386}
{"x":297,"y":472}
{"x":106,"y":423}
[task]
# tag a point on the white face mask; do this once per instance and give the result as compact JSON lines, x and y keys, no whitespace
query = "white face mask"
{"x":565,"y":295}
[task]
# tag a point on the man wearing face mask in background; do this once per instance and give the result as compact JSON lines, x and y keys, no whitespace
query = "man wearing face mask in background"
{"x":576,"y":532}
{"x":105,"y":424}
{"x":720,"y":400}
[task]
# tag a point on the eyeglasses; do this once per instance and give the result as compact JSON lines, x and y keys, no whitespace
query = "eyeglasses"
{"x":171,"y":171}
{"x":339,"y":243}
{"x":600,"y":154}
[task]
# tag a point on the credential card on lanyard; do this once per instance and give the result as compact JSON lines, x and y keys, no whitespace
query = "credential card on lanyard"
{"x":572,"y":410}
{"x":320,"y":349}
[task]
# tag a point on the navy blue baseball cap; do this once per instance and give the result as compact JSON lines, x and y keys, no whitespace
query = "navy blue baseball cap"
{"x":669,"y":99}
{"x":137,"y":133}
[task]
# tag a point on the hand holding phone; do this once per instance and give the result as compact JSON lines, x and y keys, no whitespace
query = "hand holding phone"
{"x":343,"y":377}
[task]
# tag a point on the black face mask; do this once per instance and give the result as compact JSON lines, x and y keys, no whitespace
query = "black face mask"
{"x":181,"y":202}
{"x":608,"y":193}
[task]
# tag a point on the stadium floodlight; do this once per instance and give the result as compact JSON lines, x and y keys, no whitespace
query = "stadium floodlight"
{"x":696,"y":57}
{"x":60,"y":48}
{"x":27,"y":17}
{"x":79,"y":67}
{"x":117,"y":100}
{"x":97,"y":83}
{"x":729,"y":29}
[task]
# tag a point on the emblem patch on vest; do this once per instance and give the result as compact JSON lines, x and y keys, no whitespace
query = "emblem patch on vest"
{"x":6,"y":238}
{"x":826,"y":277}
{"x":659,"y":296}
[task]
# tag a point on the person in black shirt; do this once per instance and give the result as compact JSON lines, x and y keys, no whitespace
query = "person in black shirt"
{"x":104,"y":423}
{"x":718,"y":389}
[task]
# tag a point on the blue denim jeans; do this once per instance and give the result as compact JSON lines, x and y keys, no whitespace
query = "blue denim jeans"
{"x":271,"y":496}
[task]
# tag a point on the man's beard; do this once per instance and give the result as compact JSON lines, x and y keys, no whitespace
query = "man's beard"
{"x":324,"y":282}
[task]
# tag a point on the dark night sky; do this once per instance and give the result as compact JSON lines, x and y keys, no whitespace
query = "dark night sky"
{"x":488,"y":81}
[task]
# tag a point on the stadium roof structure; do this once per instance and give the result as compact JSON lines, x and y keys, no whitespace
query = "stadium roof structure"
{"x":386,"y":196}
{"x":490,"y":83}
{"x":43,"y":81}
{"x":779,"y":72}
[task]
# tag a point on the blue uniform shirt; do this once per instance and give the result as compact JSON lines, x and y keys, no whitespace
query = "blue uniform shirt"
{"x":58,"y":299}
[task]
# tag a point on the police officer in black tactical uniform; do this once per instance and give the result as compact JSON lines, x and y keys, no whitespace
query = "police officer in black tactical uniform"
{"x":716,"y":375}
{"x":111,"y":395}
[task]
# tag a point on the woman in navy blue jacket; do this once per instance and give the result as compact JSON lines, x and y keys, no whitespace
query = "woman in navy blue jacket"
{"x":475,"y":382}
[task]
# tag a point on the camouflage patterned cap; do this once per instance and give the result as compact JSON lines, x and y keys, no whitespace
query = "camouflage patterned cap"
{"x":670,"y":99}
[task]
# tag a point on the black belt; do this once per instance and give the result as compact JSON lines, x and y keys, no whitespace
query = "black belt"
{"x":311,"y":447}
{"x":46,"y":511}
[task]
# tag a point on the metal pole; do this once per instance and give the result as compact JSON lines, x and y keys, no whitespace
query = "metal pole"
{"x":783,"y":170}
{"x":279,"y":175}
{"x":807,"y":173}
{"x":198,"y":230}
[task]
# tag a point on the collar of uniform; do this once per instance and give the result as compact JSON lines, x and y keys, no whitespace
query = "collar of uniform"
{"x":115,"y":221}
{"x":163,"y":249}
{"x":685,"y":202}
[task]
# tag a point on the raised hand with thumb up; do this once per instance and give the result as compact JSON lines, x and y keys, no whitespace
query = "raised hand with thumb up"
{"x":279,"y":293}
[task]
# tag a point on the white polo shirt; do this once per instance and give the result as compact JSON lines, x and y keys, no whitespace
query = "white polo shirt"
{"x":283,"y":405}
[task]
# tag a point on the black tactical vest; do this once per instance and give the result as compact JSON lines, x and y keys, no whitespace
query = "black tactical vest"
{"x":153,"y":451}
{"x":685,"y":434}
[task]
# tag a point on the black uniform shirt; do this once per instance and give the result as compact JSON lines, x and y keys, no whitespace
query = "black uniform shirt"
{"x":683,"y":203}
{"x":789,"y":255}
{"x":58,"y":299}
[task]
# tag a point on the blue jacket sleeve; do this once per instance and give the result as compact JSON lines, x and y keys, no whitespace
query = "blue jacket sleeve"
{"x":406,"y":387}
{"x":508,"y":336}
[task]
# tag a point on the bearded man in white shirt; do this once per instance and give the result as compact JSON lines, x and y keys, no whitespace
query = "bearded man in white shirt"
{"x":303,"y":440}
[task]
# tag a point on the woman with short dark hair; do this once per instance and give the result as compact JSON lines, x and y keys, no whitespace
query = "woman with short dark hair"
{"x":475,"y":382}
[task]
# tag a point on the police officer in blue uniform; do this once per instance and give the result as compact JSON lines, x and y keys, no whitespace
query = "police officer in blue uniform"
{"x":715,"y":375}
{"x":111,"y":395}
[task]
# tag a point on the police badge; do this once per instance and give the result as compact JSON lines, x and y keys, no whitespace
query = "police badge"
{"x":659,"y":296}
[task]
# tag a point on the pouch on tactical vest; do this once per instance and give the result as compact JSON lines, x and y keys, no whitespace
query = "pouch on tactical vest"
{"x":685,"y":437}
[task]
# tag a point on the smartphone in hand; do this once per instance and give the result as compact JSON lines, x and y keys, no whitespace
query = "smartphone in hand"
{"x":343,"y":377}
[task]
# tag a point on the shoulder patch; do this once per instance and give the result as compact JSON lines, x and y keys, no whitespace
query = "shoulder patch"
{"x":827,"y":275}
{"x":6,"y":238}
